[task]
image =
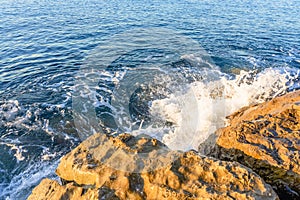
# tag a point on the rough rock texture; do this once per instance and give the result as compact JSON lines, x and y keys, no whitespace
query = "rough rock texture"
{"x":128,"y":167}
{"x":266,"y":138}
{"x":50,"y":189}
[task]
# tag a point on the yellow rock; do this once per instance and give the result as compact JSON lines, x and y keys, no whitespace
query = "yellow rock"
{"x":104,"y":167}
{"x":266,"y":138}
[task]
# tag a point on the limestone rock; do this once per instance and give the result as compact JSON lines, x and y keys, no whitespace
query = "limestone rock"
{"x":266,"y":138}
{"x":50,"y":189}
{"x":127,"y":167}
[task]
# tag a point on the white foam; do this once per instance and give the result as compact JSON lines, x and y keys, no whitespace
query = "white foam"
{"x":22,"y":184}
{"x":194,"y":110}
{"x":195,"y":121}
{"x":18,"y":151}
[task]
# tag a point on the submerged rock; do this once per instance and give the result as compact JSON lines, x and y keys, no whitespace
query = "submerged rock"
{"x":127,"y":167}
{"x":266,"y":138}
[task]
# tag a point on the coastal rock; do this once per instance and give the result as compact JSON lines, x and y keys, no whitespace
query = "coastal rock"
{"x":266,"y":138}
{"x":50,"y":189}
{"x":128,"y":167}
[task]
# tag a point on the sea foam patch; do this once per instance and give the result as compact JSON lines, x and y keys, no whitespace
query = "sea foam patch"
{"x":217,"y":99}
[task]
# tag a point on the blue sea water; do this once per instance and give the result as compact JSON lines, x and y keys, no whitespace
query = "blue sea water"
{"x":44,"y":44}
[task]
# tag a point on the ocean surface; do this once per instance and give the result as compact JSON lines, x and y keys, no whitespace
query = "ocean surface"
{"x":170,"y":69}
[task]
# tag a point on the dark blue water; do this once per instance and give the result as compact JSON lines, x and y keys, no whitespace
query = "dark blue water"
{"x":43,"y":44}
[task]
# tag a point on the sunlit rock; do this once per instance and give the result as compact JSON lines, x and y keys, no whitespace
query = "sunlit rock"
{"x":266,"y":138}
{"x":127,"y":167}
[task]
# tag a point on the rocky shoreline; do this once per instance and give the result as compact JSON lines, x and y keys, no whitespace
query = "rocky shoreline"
{"x":255,"y":157}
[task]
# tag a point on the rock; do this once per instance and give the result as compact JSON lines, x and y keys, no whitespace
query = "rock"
{"x":266,"y":138}
{"x":50,"y":189}
{"x":128,"y":167}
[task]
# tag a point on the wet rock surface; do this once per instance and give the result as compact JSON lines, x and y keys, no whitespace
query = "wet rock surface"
{"x":266,"y":138}
{"x":127,"y":167}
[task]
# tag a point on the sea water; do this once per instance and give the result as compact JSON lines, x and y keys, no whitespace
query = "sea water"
{"x":169,"y":69}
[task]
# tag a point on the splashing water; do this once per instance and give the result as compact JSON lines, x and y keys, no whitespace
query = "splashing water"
{"x":182,"y":112}
{"x":214,"y":101}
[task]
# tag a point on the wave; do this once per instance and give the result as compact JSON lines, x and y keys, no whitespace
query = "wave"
{"x":180,"y":103}
{"x":196,"y":119}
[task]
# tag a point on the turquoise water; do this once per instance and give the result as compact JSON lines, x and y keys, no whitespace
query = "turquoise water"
{"x":45,"y":44}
